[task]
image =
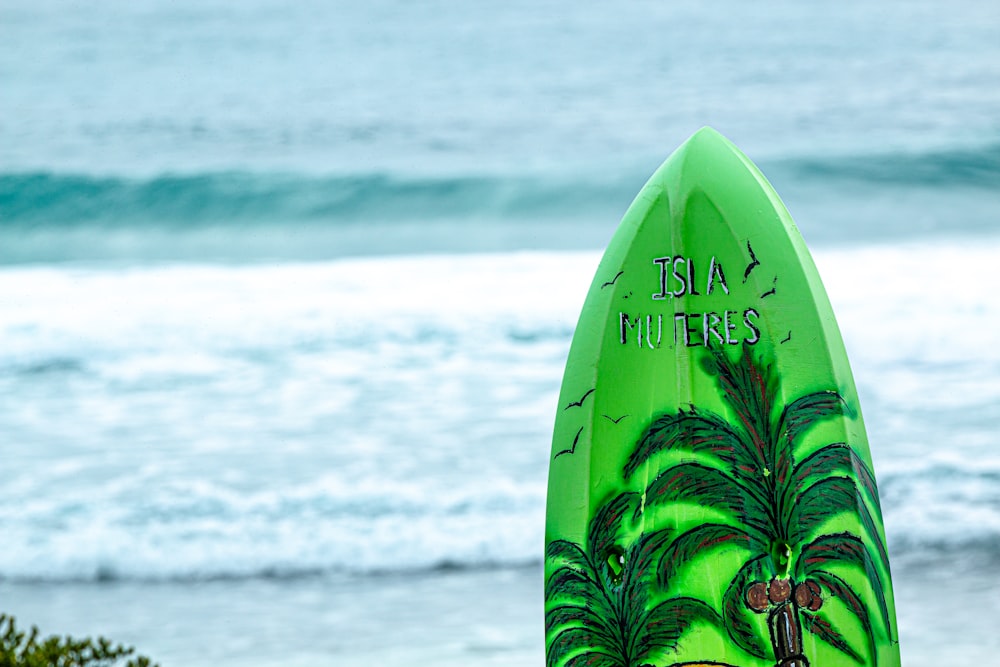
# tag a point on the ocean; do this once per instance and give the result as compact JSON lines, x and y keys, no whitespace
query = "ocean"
{"x":286,"y":292}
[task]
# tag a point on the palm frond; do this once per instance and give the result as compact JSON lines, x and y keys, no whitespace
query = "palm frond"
{"x":695,"y":431}
{"x":595,"y":611}
{"x":826,"y":498}
{"x":692,"y":482}
{"x":848,"y":549}
{"x":805,"y":412}
{"x":697,"y":541}
{"x":595,"y":628}
{"x":818,"y":503}
{"x":667,"y":621}
{"x":606,"y":524}
{"x":564,"y":550}
{"x":578,"y":615}
{"x":837,"y":458}
{"x":868,"y":521}
{"x":734,"y":609}
{"x":750,"y":388}
{"x":834,"y":459}
{"x":595,"y":659}
{"x":866,"y":478}
{"x":633,"y":597}
{"x":822,"y":628}
{"x":841,"y":590}
{"x":574,"y":639}
{"x":572,"y":583}
{"x":642,"y":555}
{"x":798,"y":417}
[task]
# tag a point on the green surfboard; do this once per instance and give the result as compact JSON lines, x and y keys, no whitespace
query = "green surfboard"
{"x":711,"y":499}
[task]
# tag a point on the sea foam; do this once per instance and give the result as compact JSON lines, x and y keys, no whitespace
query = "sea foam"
{"x":394,"y":414}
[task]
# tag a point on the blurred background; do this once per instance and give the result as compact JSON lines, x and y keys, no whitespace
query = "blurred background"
{"x":286,"y":290}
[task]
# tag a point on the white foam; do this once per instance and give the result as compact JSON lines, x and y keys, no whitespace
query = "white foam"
{"x":394,"y":413}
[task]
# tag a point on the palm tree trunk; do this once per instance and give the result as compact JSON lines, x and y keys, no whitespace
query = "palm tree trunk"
{"x":786,"y":636}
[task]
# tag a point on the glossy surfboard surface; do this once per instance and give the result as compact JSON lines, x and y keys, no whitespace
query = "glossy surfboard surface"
{"x":711,"y":497}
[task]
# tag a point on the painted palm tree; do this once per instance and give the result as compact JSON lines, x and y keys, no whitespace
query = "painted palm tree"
{"x":778,"y":497}
{"x":598,"y":595}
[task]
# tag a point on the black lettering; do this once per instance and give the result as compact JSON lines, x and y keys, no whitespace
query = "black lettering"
{"x":715,"y":273}
{"x":679,"y":277}
{"x":688,"y":330}
{"x":729,"y":326}
{"x":649,"y":331}
{"x":680,"y":319}
{"x":710,"y":324}
{"x":625,"y":325}
{"x":663,"y":262}
{"x":748,"y":316}
{"x":691,"y":282}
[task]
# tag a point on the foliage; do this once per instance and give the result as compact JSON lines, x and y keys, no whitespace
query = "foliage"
{"x":755,"y":469}
{"x":600,"y":613}
{"x":26,"y":649}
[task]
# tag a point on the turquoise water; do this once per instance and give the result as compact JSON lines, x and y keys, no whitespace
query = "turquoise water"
{"x":286,"y":292}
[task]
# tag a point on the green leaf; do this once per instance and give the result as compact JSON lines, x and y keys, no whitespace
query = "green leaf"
{"x":571,"y":640}
{"x":667,"y":621}
{"x":696,"y":542}
{"x":735,"y":610}
{"x":606,"y":524}
{"x":873,"y":533}
{"x":832,"y":459}
{"x":642,"y":556}
{"x":818,"y":503}
{"x":867,"y":479}
{"x":702,"y":485}
{"x":837,"y":459}
{"x":827,"y":498}
{"x":566,"y":551}
{"x":848,"y":549}
{"x":569,"y":582}
{"x":824,"y":630}
{"x":797,"y":418}
{"x":20,"y":649}
{"x":633,"y":596}
{"x":750,"y":388}
{"x":572,"y":614}
{"x":841,"y":590}
{"x":594,"y":659}
{"x":694,"y":431}
{"x":599,"y":625}
{"x":805,"y":412}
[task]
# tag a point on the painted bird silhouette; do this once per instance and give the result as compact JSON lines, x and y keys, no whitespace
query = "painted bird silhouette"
{"x":613,"y":280}
{"x":772,"y":291}
{"x":754,"y":263}
{"x":579,"y":404}
{"x":571,"y":450}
